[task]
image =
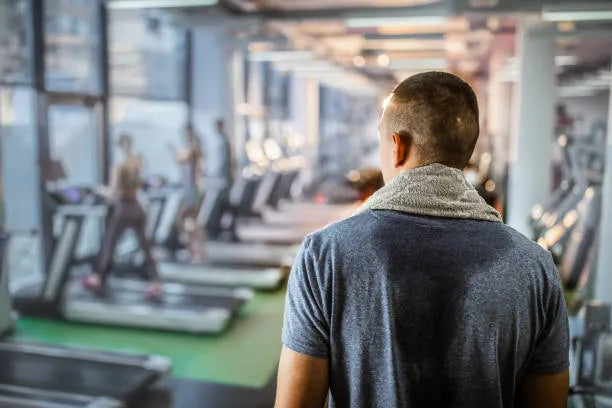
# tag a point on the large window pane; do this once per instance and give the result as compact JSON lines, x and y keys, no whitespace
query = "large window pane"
{"x":19,"y":158}
{"x":154,"y":126}
{"x":73,"y":142}
{"x":147,"y":55}
{"x":14,"y":51}
{"x":347,"y":131}
{"x":72,"y":41}
{"x":20,"y":183}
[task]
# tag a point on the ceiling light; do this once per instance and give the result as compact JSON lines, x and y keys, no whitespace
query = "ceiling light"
{"x":277,"y":56}
{"x":141,"y":4}
{"x":364,"y":22}
{"x":383,"y":60}
{"x":576,"y":92}
{"x":559,"y":14}
{"x":359,"y":61}
{"x":305,"y":66}
{"x":455,"y":47}
{"x":566,"y":60}
{"x":566,"y":26}
{"x":471,"y":65}
{"x":417,"y":64}
{"x":493,"y":23}
{"x":260,"y":46}
{"x":404,"y":45}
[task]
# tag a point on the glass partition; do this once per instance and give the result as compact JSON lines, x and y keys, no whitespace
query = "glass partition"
{"x":15,"y":60}
{"x":72,"y":34}
{"x":73,"y":142}
{"x":148,"y":55}
{"x":155,"y":127}
{"x":20,"y":179}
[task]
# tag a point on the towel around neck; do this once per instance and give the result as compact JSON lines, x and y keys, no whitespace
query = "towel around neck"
{"x":434,"y":190}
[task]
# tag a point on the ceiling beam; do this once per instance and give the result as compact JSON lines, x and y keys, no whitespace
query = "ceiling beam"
{"x":441,"y":8}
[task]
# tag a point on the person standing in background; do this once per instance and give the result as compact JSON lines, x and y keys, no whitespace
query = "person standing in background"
{"x":126,"y":213}
{"x":190,"y":160}
{"x":226,"y":167}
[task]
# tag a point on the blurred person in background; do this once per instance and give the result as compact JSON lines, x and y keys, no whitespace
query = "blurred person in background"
{"x":424,"y":298}
{"x":126,"y":212}
{"x":190,"y":159}
{"x":226,"y":166}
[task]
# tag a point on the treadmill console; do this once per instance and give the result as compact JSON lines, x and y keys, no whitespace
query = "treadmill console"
{"x":74,"y":195}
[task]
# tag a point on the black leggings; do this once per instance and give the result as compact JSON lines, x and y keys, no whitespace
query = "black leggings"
{"x":126,"y":213}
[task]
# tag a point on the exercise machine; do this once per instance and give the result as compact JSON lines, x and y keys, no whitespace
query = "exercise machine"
{"x":42,"y":375}
{"x":569,"y":228}
{"x":258,"y":268}
{"x":195,"y":309}
{"x":216,"y":216}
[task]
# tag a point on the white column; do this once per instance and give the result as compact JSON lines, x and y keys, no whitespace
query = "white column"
{"x":212,"y":88}
{"x":530,"y":162}
{"x":211,"y":77}
{"x":305,"y":117}
{"x":603,"y":279}
{"x":499,"y":105}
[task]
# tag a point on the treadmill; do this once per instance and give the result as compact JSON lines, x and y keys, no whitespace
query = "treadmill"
{"x":165,"y":204}
{"x":42,"y":375}
{"x":245,"y":208}
{"x":225,"y":266}
{"x":219,"y":215}
{"x":193,"y":309}
{"x":307,"y":213}
{"x":268,"y":195}
{"x":23,"y":397}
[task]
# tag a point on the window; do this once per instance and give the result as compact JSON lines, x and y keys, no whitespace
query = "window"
{"x":15,"y":58}
{"x":19,"y":159}
{"x":72,"y":46}
{"x":20,"y":182}
{"x":148,"y":55}
{"x":155,"y":127}
{"x":73,"y":134}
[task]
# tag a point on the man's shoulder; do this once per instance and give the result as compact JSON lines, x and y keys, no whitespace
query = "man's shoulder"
{"x":525,"y":246}
{"x":345,"y":229}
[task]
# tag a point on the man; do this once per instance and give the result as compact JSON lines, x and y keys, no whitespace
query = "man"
{"x":225,"y":154}
{"x":424,"y":298}
{"x":190,"y":160}
{"x":126,"y":213}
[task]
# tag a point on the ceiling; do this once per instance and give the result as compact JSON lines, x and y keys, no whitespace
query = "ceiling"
{"x":386,"y":39}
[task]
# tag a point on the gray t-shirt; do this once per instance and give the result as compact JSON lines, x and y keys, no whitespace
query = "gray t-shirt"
{"x":416,"y":311}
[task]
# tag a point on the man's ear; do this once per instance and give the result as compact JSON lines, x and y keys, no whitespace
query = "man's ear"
{"x":401,"y":149}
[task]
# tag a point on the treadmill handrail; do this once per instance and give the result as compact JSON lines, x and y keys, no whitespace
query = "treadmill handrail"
{"x":36,"y":398}
{"x":156,"y":363}
{"x":180,"y":289}
{"x":97,"y":210}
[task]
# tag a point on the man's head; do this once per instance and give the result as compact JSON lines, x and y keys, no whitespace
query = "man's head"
{"x":125,"y":142}
{"x":429,"y":118}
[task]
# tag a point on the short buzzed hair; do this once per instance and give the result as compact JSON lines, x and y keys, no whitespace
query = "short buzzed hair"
{"x":438,"y":112}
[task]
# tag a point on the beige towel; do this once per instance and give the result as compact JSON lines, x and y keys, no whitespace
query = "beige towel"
{"x":433,"y":190}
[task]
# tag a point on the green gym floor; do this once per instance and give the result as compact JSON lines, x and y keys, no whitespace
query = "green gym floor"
{"x":244,"y":355}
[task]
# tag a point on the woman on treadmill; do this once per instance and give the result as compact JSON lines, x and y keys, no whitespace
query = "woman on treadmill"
{"x":190,"y":160}
{"x":126,"y":213}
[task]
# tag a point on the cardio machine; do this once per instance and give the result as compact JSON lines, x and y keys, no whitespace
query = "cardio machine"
{"x":47,"y":376}
{"x":195,"y":309}
{"x":229,"y":269}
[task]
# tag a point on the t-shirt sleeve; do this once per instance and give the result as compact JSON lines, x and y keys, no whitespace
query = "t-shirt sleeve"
{"x":552,"y":347}
{"x":305,"y":328}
